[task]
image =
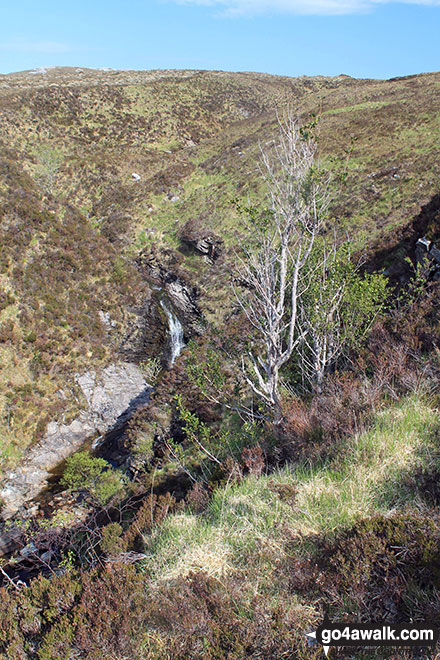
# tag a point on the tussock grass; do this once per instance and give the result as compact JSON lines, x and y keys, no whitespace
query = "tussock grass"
{"x":365,"y":479}
{"x":246,"y":525}
{"x":367,"y":105}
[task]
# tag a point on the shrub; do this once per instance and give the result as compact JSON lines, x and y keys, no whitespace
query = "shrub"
{"x":253,"y":460}
{"x":151,"y":368}
{"x":335,"y":312}
{"x":90,"y":615}
{"x":111,"y":542}
{"x":198,"y":498}
{"x":86,"y":472}
{"x":382,"y":568}
{"x":49,"y":160}
{"x":151,"y":514}
{"x":205,"y":619}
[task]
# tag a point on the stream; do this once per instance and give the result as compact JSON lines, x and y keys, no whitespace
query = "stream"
{"x":112,"y":445}
{"x":175,"y":329}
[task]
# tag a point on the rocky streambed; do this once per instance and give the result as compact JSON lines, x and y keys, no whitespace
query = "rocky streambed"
{"x":161,"y":328}
{"x":112,"y":397}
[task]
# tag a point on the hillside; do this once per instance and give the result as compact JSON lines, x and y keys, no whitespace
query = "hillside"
{"x":72,"y":138}
{"x":118,"y":219}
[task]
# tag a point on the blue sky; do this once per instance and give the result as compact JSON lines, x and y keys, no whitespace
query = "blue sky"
{"x":362,"y":38}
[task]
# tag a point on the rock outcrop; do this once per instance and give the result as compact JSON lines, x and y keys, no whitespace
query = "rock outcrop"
{"x":182,"y":295}
{"x":111,"y":396}
{"x":428,"y":257}
{"x":201,"y":239}
{"x":148,"y":333}
{"x":184,"y":301}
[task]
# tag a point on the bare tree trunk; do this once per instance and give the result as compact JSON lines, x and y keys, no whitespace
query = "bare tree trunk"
{"x":273,"y":263}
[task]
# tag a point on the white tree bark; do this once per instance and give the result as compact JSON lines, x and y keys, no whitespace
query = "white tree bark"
{"x":273,"y":264}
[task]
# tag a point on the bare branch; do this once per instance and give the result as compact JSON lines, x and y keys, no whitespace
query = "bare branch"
{"x":274,"y":262}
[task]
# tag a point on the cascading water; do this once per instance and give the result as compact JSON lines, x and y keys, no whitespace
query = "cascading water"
{"x":176,"y":333}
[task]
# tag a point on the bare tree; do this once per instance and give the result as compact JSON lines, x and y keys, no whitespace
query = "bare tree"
{"x":272,"y":264}
{"x":322,"y":315}
{"x":337,"y":309}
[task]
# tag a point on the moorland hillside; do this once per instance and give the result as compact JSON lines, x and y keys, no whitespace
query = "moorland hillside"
{"x":207,"y":533}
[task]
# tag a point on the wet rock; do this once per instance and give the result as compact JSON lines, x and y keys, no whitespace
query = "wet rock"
{"x":184,"y":299}
{"x":47,"y":556}
{"x":112,"y":396}
{"x":10,"y":538}
{"x":176,"y":335}
{"x":182,"y":295}
{"x":29,"y":550}
{"x":147,"y":334}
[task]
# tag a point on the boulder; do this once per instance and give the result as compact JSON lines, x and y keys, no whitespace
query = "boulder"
{"x":112,"y":396}
{"x":427,"y":256}
{"x":201,"y":239}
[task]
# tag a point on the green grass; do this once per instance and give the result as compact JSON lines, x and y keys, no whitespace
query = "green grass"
{"x":367,"y":105}
{"x":247,"y":525}
{"x":115,"y":123}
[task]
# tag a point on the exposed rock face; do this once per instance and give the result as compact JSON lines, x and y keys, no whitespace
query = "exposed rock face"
{"x":428,"y":256}
{"x":182,"y":295}
{"x":148,"y":333}
{"x":201,"y":239}
{"x":112,"y":396}
{"x":9,"y":540}
{"x":185,"y":301}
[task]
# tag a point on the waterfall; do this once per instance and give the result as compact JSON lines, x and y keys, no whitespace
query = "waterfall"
{"x":176,"y":333}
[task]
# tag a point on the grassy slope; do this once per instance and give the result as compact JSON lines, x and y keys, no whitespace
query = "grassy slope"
{"x":366,"y":477}
{"x":57,"y":273}
{"x":66,"y":255}
{"x":74,"y":137}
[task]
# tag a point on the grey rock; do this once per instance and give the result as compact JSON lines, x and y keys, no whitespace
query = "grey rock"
{"x":184,"y":301}
{"x":112,"y":396}
{"x":29,"y":549}
{"x":427,"y":256}
{"x":434,"y":254}
{"x":200,"y":238}
{"x":204,"y":245}
{"x":10,"y":538}
{"x":421,"y":251}
{"x":47,"y":556}
{"x":147,"y":334}
{"x":182,"y":295}
{"x":106,"y":320}
{"x":424,"y":243}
